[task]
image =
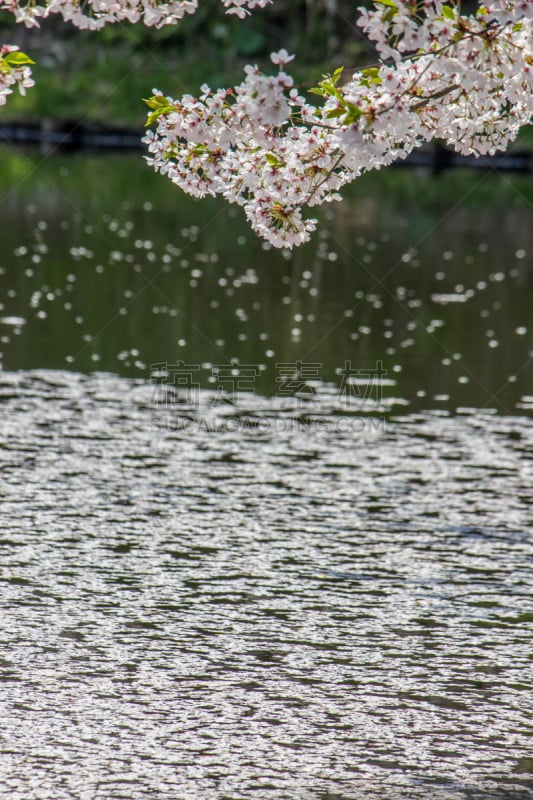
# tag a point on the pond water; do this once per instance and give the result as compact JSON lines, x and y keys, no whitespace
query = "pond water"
{"x":265,"y":518}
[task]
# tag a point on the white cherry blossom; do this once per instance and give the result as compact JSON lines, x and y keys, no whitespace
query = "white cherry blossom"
{"x":14,"y":72}
{"x":465,"y":79}
{"x":94,"y":14}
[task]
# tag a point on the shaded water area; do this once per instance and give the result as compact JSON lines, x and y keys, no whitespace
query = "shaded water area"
{"x":242,"y":587}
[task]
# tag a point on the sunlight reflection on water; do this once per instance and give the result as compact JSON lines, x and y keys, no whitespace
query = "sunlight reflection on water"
{"x":273,"y":613}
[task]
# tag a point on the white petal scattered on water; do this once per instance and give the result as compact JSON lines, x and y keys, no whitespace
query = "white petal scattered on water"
{"x":13,"y":320}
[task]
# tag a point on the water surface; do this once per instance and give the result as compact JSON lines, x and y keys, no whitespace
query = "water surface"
{"x":248,"y":595}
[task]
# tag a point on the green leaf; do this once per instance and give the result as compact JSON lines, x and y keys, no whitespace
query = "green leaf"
{"x":335,"y":112}
{"x":447,"y":11}
{"x":371,"y":75}
{"x":154,"y":116}
{"x":159,"y":105}
{"x":151,"y":102}
{"x":328,"y":85}
{"x":353,"y":113}
{"x":353,"y":109}
{"x":156,"y":101}
{"x":273,"y":160}
{"x":329,"y":88}
{"x":388,"y":3}
{"x":17,"y":59}
{"x":389,"y":14}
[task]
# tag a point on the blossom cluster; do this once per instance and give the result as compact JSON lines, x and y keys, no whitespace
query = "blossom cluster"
{"x":14,"y":72}
{"x":465,"y":79}
{"x":94,"y":14}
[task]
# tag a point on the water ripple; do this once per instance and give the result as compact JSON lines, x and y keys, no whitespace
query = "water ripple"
{"x":288,"y":611}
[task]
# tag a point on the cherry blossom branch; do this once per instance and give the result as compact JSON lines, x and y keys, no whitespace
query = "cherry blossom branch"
{"x":15,"y":71}
{"x":94,"y":14}
{"x":465,"y":79}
